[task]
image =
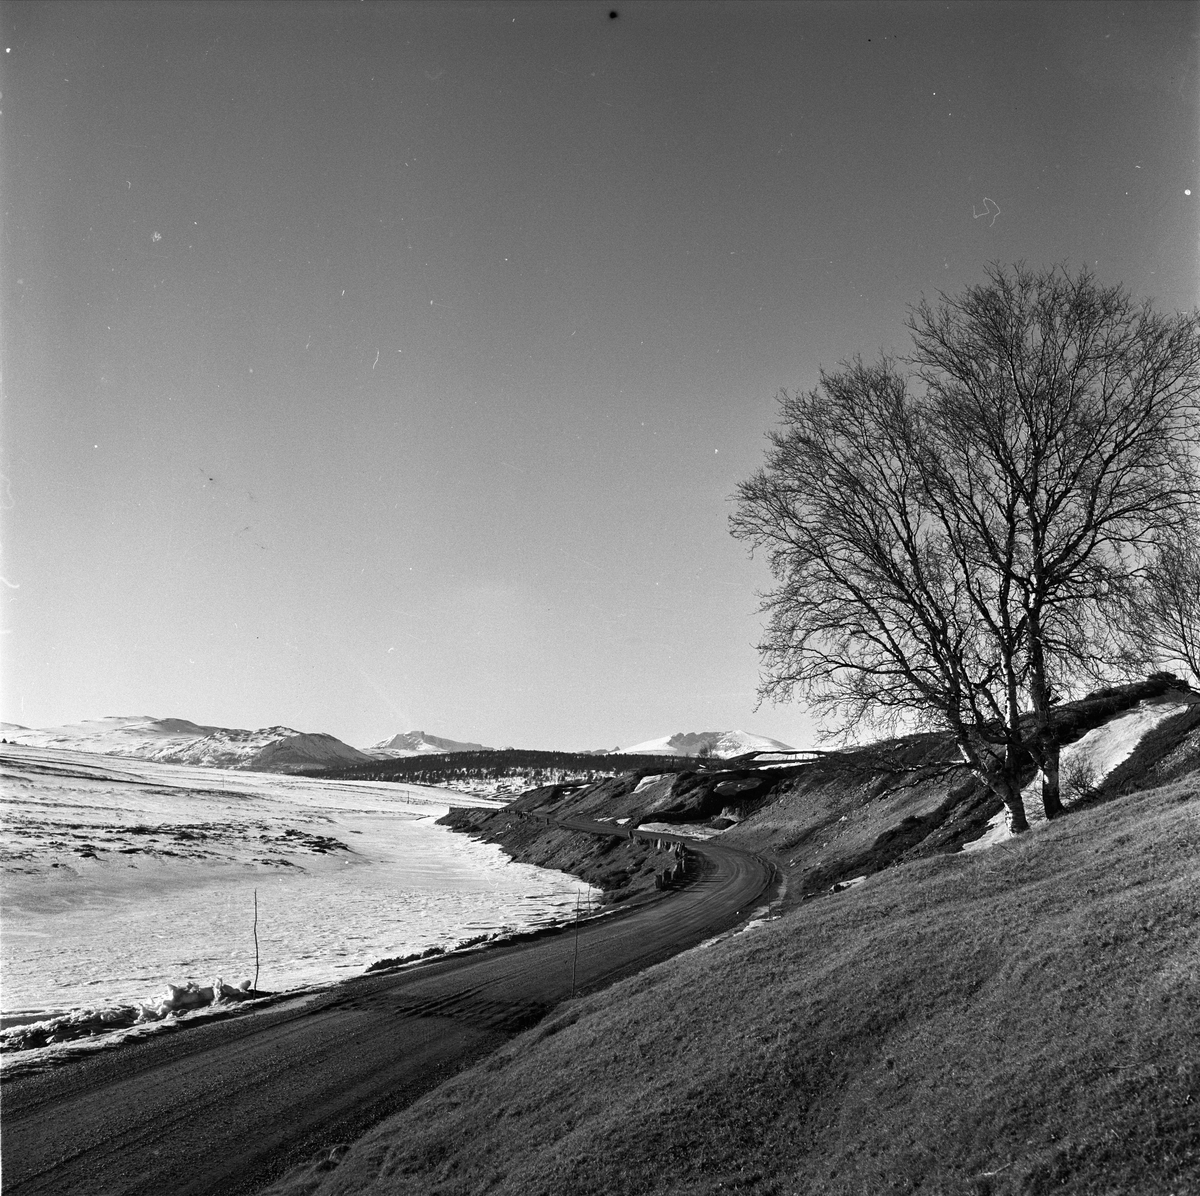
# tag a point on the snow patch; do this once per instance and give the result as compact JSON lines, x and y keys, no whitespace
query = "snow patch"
{"x":646,"y":782}
{"x":685,"y":830}
{"x":1098,"y":752}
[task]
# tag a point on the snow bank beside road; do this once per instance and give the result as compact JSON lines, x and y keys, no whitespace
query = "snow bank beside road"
{"x":84,"y":1023}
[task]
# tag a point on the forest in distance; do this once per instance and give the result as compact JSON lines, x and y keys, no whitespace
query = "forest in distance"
{"x":540,"y":767}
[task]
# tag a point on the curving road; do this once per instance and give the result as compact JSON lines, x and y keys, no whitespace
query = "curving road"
{"x":230,"y":1105}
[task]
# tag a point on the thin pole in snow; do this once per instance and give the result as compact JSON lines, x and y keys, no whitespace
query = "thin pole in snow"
{"x":575,"y":959}
{"x":256,"y":940}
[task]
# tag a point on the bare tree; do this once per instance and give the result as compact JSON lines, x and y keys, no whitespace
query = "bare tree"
{"x":876,"y":617}
{"x":949,"y":544}
{"x":1165,"y":608}
{"x":1065,"y":416}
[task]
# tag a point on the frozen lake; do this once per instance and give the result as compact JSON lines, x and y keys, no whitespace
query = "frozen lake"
{"x":120,"y":876}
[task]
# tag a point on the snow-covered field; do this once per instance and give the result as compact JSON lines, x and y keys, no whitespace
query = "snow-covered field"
{"x":121,"y":876}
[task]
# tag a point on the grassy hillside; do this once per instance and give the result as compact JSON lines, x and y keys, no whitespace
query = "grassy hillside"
{"x":1024,"y":1020}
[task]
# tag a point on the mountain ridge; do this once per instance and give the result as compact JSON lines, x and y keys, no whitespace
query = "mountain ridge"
{"x":180,"y":741}
{"x":420,"y":743}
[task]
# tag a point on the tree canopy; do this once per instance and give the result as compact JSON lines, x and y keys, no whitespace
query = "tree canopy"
{"x":953,"y":532}
{"x":1164,"y":611}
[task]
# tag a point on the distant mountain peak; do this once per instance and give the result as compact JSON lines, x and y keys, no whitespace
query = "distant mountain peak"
{"x":420,"y":743}
{"x":722,"y":744}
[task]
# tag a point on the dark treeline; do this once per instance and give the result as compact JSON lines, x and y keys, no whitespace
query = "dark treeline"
{"x":449,"y":767}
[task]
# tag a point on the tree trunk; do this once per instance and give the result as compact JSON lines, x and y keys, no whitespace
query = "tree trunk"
{"x":1046,"y":736}
{"x":1051,"y":798}
{"x":1001,"y":774}
{"x":1009,"y":792}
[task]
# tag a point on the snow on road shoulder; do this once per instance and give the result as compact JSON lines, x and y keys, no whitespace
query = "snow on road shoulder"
{"x":1098,"y":752}
{"x":88,"y":1032}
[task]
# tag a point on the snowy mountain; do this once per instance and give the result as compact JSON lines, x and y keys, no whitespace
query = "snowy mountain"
{"x":177,"y":741}
{"x":418,"y":743}
{"x":138,"y":736}
{"x":718,"y":743}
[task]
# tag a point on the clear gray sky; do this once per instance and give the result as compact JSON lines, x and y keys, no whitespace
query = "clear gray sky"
{"x":371,"y":367}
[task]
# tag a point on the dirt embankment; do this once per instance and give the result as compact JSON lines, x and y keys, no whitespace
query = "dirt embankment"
{"x":623,"y":868}
{"x":843,"y":815}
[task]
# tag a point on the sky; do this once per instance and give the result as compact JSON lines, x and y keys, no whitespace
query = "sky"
{"x":377,"y":367}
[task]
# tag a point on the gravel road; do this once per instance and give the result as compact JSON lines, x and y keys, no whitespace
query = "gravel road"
{"x":231,"y":1105}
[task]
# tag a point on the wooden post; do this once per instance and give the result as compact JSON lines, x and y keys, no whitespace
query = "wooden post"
{"x":256,"y":940}
{"x":575,"y":958}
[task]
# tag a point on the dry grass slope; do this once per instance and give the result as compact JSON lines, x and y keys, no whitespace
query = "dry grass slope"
{"x":1025,"y":1020}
